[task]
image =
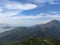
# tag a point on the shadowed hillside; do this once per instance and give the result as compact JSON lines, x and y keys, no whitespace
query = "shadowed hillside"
{"x":36,"y":41}
{"x":45,"y":34}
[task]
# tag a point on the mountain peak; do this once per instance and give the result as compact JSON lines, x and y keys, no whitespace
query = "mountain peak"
{"x":53,"y":23}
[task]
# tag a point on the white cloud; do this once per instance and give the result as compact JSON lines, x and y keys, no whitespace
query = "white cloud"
{"x":40,"y":1}
{"x":27,"y":17}
{"x":9,"y":13}
{"x":0,"y":10}
{"x":49,"y":1}
{"x":15,"y":5}
{"x":54,"y":15}
{"x":14,"y":9}
{"x":27,"y":20}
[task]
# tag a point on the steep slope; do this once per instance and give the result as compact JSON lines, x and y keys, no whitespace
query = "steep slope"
{"x":19,"y":33}
{"x":53,"y":23}
{"x":37,"y":41}
{"x":50,"y":30}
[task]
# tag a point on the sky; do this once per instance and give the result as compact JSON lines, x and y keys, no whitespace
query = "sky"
{"x":28,"y":12}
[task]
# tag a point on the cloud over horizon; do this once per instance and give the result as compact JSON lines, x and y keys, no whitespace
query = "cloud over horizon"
{"x":28,"y":12}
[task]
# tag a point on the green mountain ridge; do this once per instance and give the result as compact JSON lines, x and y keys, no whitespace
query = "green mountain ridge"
{"x":48,"y":31}
{"x":36,"y":41}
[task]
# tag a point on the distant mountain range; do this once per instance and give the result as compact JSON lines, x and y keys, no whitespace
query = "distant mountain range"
{"x":50,"y":30}
{"x":4,"y":27}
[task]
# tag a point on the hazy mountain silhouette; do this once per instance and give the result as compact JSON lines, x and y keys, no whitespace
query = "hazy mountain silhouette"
{"x":50,"y":29}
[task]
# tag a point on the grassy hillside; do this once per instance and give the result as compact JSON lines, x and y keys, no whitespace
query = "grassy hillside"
{"x":35,"y":41}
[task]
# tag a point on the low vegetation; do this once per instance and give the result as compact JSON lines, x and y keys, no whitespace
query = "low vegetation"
{"x":35,"y":41}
